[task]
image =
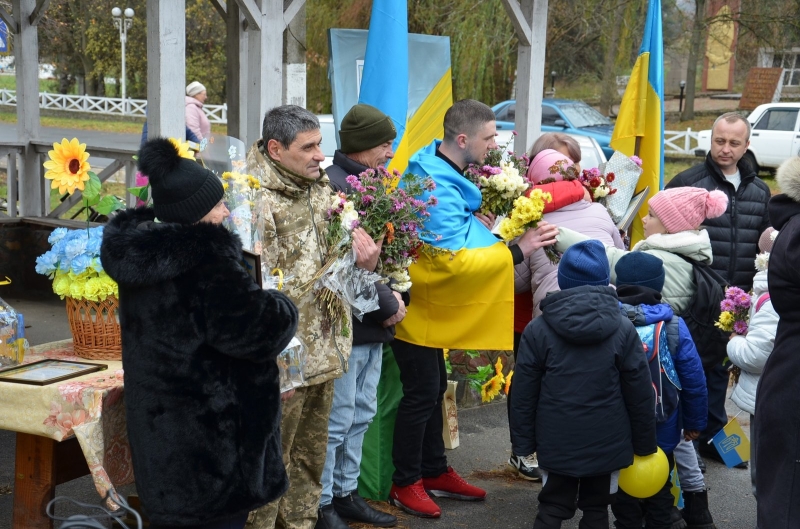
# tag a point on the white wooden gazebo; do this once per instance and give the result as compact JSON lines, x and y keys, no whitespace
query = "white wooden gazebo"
{"x":254,"y":73}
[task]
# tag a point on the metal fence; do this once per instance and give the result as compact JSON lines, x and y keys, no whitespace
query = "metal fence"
{"x":104,"y":105}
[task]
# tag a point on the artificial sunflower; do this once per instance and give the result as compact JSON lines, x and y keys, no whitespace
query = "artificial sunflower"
{"x":183,"y":148}
{"x":508,"y":381}
{"x":491,"y":389}
{"x":68,"y":167}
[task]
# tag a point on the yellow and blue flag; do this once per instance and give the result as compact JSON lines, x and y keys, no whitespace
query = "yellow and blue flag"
{"x":640,"y":123}
{"x":463,"y":296}
{"x":388,"y":85}
{"x":384,"y":83}
{"x":732,"y":444}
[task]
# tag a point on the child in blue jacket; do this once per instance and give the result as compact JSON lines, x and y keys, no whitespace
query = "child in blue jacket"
{"x":677,"y":376}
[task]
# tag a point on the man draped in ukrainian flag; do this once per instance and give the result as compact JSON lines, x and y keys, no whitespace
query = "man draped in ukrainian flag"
{"x":462,"y":298}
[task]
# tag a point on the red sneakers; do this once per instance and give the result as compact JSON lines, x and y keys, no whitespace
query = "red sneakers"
{"x":414,"y":500}
{"x":451,"y":485}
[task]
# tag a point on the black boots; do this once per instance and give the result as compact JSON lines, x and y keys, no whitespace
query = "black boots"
{"x":676,"y":519}
{"x":328,"y":519}
{"x":353,"y":507}
{"x":695,"y":510}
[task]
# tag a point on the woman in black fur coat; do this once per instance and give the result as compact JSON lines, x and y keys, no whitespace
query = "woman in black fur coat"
{"x":199,"y":342}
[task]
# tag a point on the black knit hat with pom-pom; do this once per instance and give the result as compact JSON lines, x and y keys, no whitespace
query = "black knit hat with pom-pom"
{"x":183,"y":191}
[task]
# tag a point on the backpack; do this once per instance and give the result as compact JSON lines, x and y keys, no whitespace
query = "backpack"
{"x":663,"y":376}
{"x":703,"y":312}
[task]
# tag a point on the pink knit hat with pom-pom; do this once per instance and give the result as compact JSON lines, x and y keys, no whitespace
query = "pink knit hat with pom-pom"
{"x":685,"y":208}
{"x":539,"y":169}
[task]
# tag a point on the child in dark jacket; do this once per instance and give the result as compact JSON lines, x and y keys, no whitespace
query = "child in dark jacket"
{"x":677,"y":379}
{"x":582,"y":393}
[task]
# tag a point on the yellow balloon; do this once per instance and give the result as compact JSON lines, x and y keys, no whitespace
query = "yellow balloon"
{"x":646,"y":476}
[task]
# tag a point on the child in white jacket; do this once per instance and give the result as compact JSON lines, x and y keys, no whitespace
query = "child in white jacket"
{"x":751,"y":351}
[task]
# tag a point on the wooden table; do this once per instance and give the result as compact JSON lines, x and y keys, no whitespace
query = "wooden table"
{"x":64,"y":431}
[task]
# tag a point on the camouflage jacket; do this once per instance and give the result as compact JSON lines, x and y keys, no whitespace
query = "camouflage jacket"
{"x":294,"y":241}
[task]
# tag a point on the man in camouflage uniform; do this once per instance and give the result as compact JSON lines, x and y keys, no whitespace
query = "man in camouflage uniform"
{"x":296,"y":197}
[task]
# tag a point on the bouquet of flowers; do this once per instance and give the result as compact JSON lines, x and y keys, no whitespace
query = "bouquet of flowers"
{"x":597,"y":183}
{"x":385,"y":205}
{"x":74,"y":265}
{"x":500,"y":181}
{"x":242,"y":199}
{"x":735,"y":311}
{"x":526,"y":214}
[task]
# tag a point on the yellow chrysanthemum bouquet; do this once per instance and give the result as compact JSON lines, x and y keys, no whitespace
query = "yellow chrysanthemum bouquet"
{"x":243,"y":201}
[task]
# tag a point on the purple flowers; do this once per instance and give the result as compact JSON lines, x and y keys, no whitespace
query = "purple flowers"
{"x":735,"y":311}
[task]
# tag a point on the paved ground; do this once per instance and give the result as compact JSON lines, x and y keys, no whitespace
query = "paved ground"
{"x":482,"y":455}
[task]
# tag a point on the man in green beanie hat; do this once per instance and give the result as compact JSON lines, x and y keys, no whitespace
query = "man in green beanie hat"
{"x":366,"y":136}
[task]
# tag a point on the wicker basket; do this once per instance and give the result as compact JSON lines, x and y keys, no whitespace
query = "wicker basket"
{"x":95,"y":329}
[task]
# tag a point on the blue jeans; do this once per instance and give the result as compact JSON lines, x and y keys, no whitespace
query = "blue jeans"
{"x":354,"y":405}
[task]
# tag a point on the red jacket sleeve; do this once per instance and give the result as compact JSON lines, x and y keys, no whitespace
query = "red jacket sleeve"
{"x":564,"y":193}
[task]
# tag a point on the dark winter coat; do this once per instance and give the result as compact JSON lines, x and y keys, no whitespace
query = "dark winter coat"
{"x":734,"y":235}
{"x":777,"y":423}
{"x":199,"y":342}
{"x":370,"y":329}
{"x":583,"y":400}
{"x":643,"y":306}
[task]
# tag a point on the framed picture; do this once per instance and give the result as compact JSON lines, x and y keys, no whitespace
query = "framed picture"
{"x":252,"y":263}
{"x":46,"y":372}
{"x":633,"y":207}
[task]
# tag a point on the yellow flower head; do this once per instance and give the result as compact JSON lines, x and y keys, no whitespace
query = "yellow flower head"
{"x":498,"y":367}
{"x":491,"y":389}
{"x":68,"y":167}
{"x":446,"y":353}
{"x":508,"y":381}
{"x":725,"y":322}
{"x":61,"y":284}
{"x":183,"y":148}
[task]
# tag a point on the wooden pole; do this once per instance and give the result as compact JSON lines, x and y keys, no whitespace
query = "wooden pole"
{"x":265,"y":65}
{"x":26,"y":59}
{"x":529,"y":18}
{"x":166,"y":68}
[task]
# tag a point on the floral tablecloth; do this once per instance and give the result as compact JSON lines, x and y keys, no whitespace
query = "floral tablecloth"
{"x":90,"y":407}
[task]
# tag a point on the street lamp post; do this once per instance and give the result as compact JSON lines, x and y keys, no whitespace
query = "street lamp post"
{"x":680,"y":98}
{"x":553,"y":82}
{"x":123,"y":24}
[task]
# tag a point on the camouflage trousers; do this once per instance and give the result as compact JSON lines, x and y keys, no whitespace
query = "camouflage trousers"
{"x":304,"y":437}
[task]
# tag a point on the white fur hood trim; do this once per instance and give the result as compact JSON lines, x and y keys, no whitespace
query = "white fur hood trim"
{"x":788,"y":177}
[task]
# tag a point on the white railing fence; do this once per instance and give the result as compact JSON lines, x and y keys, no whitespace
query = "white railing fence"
{"x":104,"y":105}
{"x":673,"y":144}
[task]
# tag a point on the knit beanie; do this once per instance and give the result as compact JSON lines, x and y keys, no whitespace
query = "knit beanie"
{"x":584,"y":263}
{"x":685,"y":208}
{"x":365,"y":127}
{"x":766,"y":240}
{"x":539,"y":169}
{"x":183,"y":191}
{"x":640,"y":269}
{"x":194,"y":88}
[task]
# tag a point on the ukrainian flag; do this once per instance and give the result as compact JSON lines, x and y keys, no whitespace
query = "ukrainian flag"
{"x":386,"y":84}
{"x":463,"y":297}
{"x":640,"y":123}
{"x":732,"y":444}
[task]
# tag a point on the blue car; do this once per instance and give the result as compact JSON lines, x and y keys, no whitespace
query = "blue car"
{"x":563,"y":115}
